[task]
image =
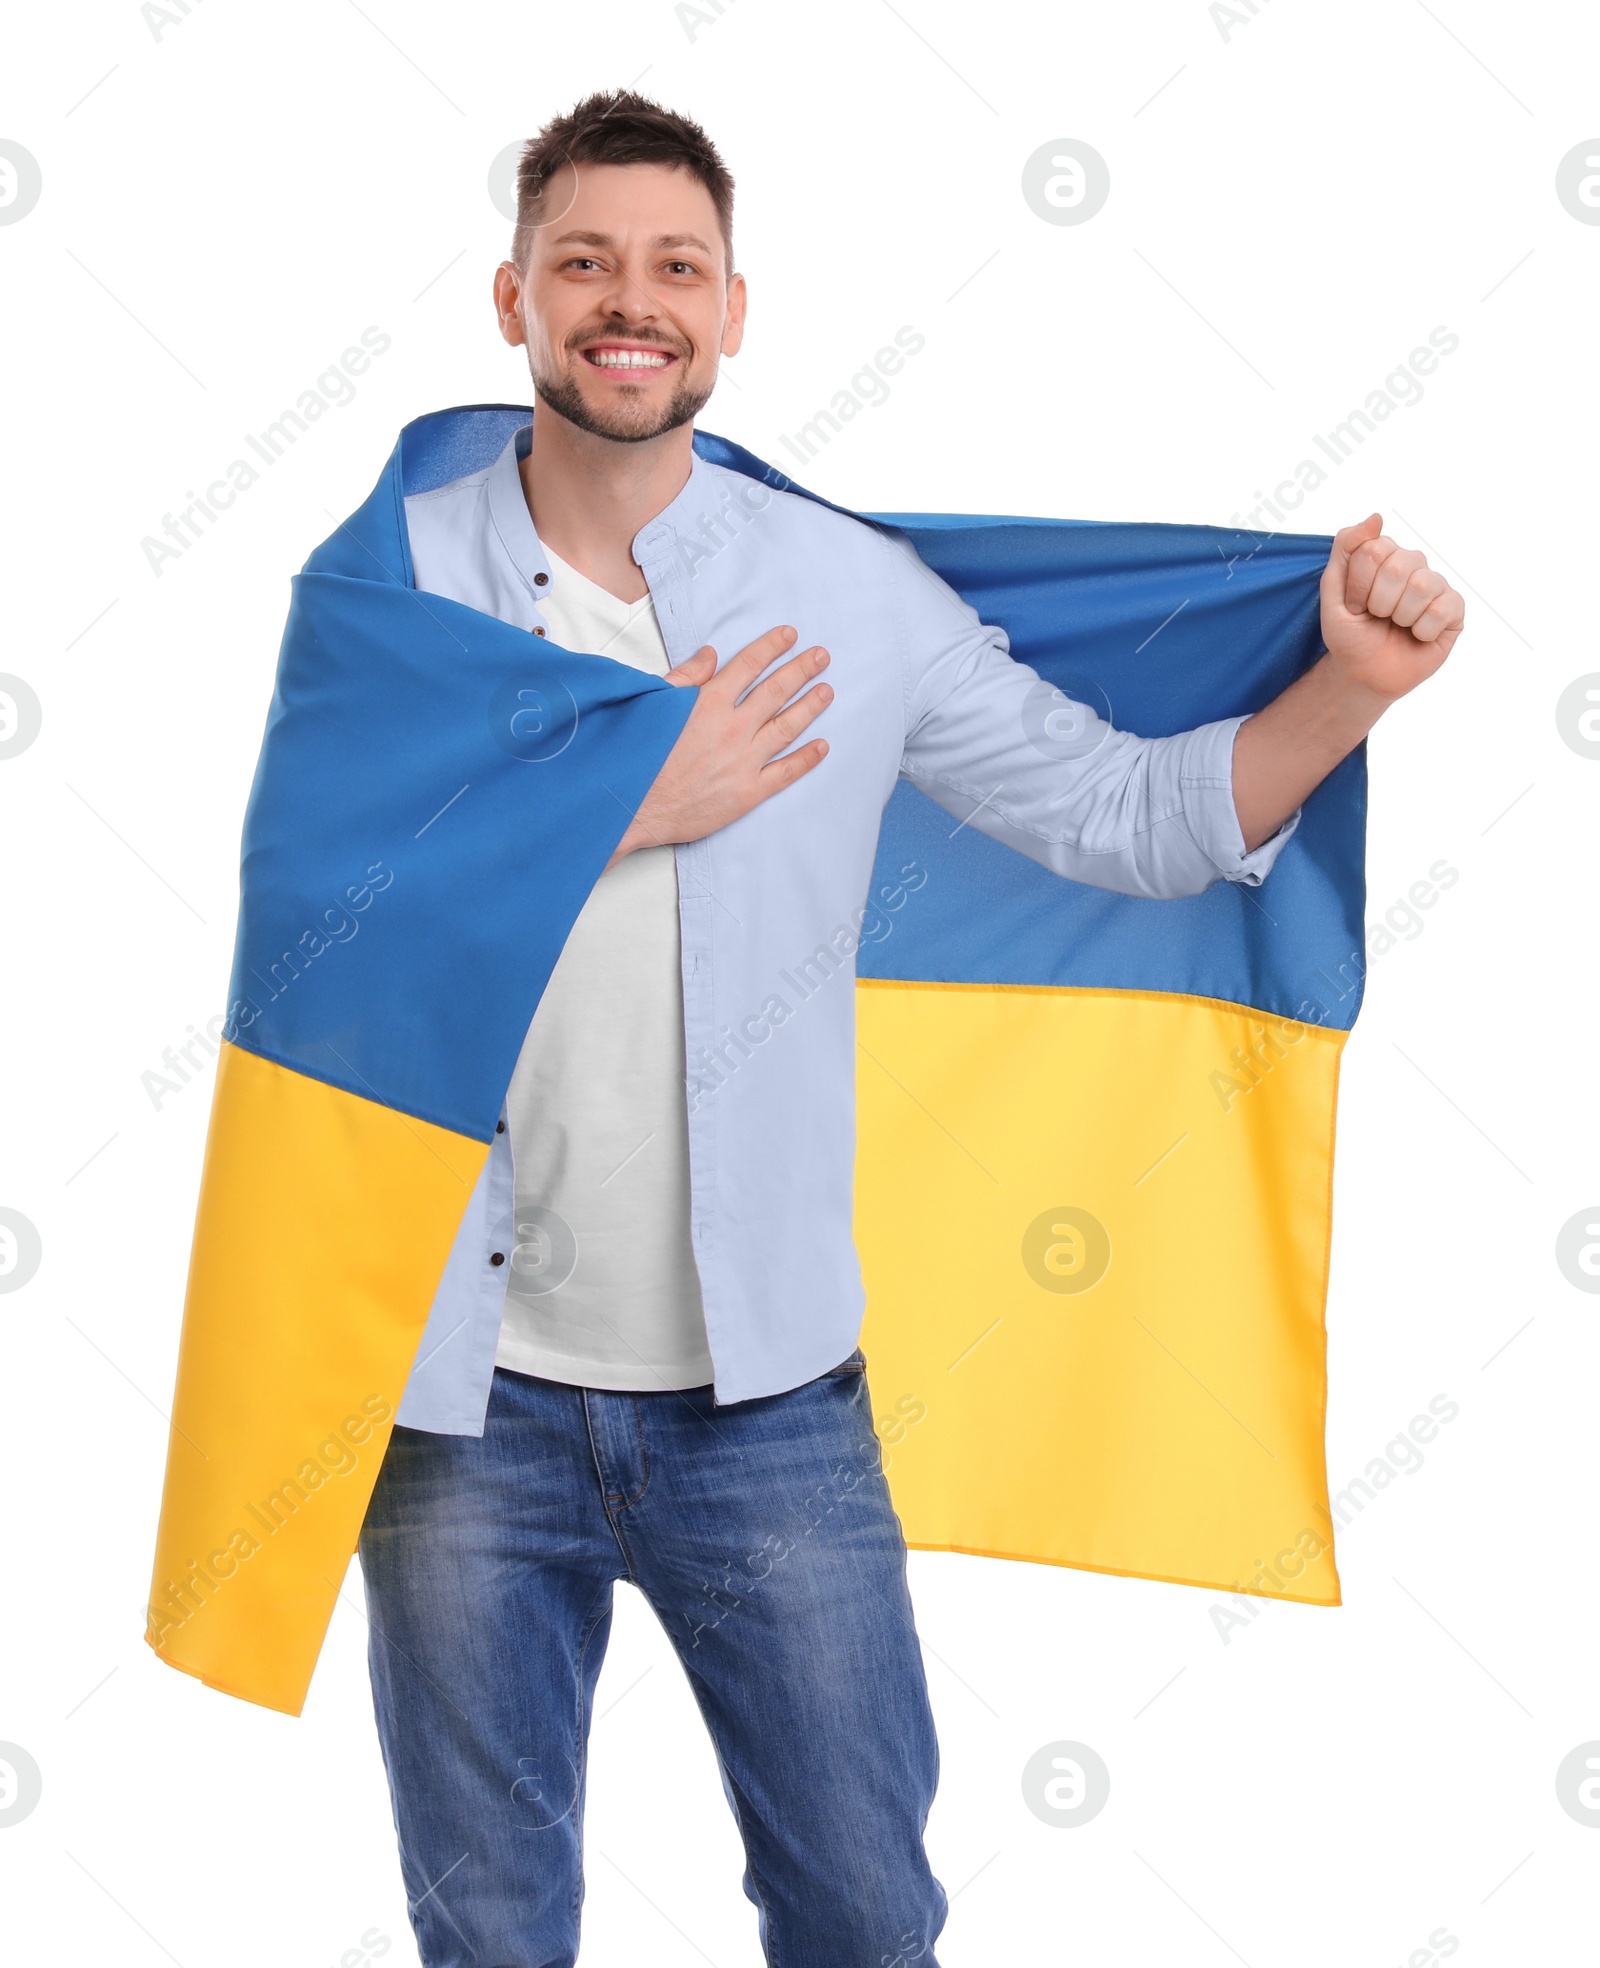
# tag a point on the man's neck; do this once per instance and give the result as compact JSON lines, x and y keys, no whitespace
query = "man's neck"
{"x":590,"y":495}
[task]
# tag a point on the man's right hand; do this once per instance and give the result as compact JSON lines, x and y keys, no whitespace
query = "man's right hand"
{"x":725,"y":761}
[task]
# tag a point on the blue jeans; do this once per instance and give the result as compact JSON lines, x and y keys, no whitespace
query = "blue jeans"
{"x":763,"y":1536}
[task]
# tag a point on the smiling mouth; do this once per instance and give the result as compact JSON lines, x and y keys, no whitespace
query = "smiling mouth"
{"x":621,"y":360}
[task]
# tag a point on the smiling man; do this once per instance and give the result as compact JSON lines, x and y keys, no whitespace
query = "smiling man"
{"x":642,"y":1360}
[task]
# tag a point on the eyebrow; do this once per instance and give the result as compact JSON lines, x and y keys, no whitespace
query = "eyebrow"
{"x":578,"y":238}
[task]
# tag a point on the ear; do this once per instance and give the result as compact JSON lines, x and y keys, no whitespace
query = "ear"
{"x":507,"y":300}
{"x":733,"y":327}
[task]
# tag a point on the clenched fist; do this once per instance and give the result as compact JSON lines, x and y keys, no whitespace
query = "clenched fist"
{"x":1388,"y":618}
{"x":1389,"y":621}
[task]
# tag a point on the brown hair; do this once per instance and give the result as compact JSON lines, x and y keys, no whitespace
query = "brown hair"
{"x":617,"y":127}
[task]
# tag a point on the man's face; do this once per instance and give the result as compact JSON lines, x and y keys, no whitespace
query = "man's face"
{"x":624,"y":305}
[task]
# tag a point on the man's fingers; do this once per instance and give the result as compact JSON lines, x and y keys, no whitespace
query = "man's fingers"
{"x":791,"y":766}
{"x":1441,"y":620}
{"x":739,"y":672}
{"x":699,"y":668}
{"x":1363,"y":569}
{"x":1345,"y":542}
{"x":771,"y":694}
{"x":779,"y":731}
{"x":1377,"y":584}
{"x":1422,"y":587}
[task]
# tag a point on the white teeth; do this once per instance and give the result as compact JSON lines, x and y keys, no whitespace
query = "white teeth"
{"x":627,"y":359}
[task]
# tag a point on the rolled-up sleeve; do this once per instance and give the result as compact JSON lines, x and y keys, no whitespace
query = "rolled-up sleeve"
{"x":998,"y":747}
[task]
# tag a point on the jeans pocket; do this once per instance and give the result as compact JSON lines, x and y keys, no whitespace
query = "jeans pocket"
{"x":855,"y":1363}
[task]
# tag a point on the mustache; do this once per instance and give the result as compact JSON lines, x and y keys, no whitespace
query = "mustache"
{"x":651,"y":337}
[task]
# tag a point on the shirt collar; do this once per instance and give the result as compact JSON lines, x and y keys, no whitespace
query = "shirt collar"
{"x":508,"y":508}
{"x":660,"y":533}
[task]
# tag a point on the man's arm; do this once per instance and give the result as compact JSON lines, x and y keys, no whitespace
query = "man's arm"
{"x":1012,"y":757}
{"x":1160,"y":817}
{"x":1389,"y":621}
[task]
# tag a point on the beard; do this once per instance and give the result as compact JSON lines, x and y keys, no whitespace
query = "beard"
{"x":627,"y":422}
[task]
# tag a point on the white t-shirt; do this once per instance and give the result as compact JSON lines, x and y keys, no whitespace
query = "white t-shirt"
{"x":603,"y":1290}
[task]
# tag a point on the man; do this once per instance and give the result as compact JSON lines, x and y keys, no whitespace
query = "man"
{"x":641,"y":1362}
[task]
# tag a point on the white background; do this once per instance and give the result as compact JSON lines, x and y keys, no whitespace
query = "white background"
{"x":225,"y":207}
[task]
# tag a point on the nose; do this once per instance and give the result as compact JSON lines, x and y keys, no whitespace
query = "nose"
{"x":628,"y":299}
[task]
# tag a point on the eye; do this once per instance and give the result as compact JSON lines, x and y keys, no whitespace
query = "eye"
{"x":582,"y":262}
{"x":681,"y":266}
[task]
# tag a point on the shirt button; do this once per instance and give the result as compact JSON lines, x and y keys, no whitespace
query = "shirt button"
{"x":499,"y":1127}
{"x":538,"y":631}
{"x":539,"y":580}
{"x":498,"y":1258}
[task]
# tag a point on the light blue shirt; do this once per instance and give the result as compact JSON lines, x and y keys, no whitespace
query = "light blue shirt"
{"x":772,"y":907}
